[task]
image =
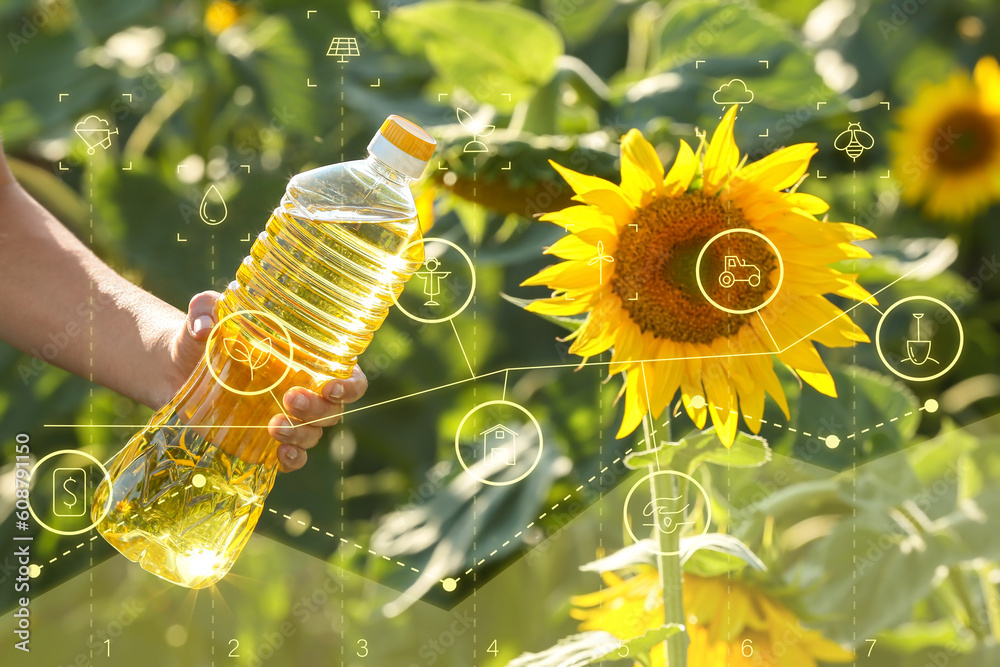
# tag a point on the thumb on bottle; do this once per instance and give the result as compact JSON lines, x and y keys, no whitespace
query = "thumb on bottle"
{"x":201,"y":314}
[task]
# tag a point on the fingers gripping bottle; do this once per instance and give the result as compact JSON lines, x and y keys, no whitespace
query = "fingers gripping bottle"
{"x":183,"y":496}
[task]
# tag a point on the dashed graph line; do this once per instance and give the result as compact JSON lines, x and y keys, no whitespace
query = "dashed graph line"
{"x":832,"y":440}
{"x":448,"y":581}
{"x":67,"y":552}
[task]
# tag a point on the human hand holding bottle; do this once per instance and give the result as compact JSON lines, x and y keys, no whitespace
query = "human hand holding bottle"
{"x":309,"y":411}
{"x":134,"y":343}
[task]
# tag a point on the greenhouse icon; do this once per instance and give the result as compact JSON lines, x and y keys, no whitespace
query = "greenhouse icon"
{"x":500,"y":445}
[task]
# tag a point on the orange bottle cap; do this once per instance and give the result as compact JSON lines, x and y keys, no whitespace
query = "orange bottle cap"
{"x":408,"y":137}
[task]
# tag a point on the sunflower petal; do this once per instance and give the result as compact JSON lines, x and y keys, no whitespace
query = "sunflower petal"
{"x":722,"y":155}
{"x":566,"y":275}
{"x":611,"y":202}
{"x":678,"y":180}
{"x":635,"y":403}
{"x":576,"y":218}
{"x":821,"y":381}
{"x":987,"y":77}
{"x":584,"y":245}
{"x":582,"y":183}
{"x":807,"y":202}
{"x":642,"y":171}
{"x":781,"y":169}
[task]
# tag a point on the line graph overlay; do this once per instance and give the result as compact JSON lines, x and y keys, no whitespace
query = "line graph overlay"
{"x":529,"y":368}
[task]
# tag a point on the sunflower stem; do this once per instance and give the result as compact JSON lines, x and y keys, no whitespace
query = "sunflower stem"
{"x":667,"y":501}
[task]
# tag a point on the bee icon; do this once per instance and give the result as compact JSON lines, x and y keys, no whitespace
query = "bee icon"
{"x":854,"y":141}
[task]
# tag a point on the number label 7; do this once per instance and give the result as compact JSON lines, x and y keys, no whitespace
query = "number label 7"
{"x":871,"y":647}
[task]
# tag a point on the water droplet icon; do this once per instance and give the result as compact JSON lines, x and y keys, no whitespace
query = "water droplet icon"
{"x":213,"y":208}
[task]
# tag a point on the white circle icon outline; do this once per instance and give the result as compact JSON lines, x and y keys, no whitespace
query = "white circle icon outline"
{"x":458,"y":438}
{"x":958,"y":352}
{"x":472,"y":290}
{"x":734,"y":311}
{"x":259,"y":313}
{"x":646,"y":479}
{"x":107,"y":505}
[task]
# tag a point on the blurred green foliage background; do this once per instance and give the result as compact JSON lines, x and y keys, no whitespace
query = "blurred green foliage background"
{"x":215,"y":86}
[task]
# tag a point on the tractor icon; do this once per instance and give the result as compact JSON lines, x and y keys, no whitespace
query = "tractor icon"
{"x":738,"y":271}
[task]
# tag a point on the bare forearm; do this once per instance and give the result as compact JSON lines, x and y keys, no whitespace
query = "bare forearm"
{"x":61,"y":303}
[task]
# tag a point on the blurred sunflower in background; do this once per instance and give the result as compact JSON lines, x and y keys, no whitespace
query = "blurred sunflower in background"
{"x":630,"y":264}
{"x":220,"y":15}
{"x":730,"y":623}
{"x":947,"y":150}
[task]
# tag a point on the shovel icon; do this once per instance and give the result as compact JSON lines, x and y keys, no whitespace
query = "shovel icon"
{"x":918,"y":351}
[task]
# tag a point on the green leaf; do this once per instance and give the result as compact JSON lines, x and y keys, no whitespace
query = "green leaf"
{"x":588,"y":648}
{"x":651,"y":457}
{"x":748,"y":451}
{"x":490,"y":49}
{"x":865,"y":589}
{"x":874,"y":399}
{"x":438,"y":537}
{"x":911,"y":637}
{"x":732,"y":31}
{"x":472,"y":217}
{"x":277,"y":50}
{"x":579,"y":21}
{"x":639,"y":553}
{"x":731,"y":39}
{"x":568,"y":323}
{"x":713,"y":554}
{"x":709,"y":555}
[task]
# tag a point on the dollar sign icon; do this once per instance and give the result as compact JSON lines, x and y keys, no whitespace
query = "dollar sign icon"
{"x":70,"y":492}
{"x":69,"y":486}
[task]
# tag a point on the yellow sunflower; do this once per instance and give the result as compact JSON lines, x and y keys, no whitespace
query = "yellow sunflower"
{"x":221,"y":14}
{"x":947,"y":151}
{"x":631,"y":259}
{"x":729,"y":622}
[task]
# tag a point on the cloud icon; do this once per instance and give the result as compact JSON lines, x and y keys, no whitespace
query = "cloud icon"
{"x":734,"y":92}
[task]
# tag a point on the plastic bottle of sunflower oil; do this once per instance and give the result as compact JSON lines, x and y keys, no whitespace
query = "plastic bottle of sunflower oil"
{"x":184,"y":495}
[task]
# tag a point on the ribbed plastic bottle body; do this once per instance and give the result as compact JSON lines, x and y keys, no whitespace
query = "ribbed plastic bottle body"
{"x":186,"y":492}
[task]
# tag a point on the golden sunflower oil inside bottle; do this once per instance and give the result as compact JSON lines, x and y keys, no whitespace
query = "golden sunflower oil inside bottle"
{"x":183,"y":496}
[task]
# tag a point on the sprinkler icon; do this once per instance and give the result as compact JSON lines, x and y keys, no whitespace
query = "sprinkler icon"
{"x":918,"y":351}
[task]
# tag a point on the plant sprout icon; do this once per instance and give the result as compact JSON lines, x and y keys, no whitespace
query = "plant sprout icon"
{"x":254,"y":356}
{"x":466,"y":120}
{"x":854,"y":141}
{"x":918,"y":352}
{"x":666,"y":522}
{"x":95,"y":132}
{"x":600,"y":259}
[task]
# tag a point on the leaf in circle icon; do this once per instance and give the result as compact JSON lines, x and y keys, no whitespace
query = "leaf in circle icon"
{"x":260,"y":353}
{"x":254,"y":357}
